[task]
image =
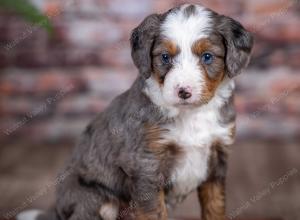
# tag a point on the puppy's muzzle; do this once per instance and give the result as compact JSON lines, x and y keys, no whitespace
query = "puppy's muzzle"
{"x":184,"y":93}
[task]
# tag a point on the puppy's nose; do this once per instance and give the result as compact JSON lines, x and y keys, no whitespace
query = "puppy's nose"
{"x":184,"y":93}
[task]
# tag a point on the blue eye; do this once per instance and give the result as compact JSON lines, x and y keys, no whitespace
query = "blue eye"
{"x":207,"y":58}
{"x":165,"y":58}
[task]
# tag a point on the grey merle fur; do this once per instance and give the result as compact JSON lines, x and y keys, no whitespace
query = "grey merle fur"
{"x":112,"y":162}
{"x":238,"y":43}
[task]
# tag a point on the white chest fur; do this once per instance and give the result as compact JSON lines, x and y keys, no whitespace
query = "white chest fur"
{"x":195,"y":131}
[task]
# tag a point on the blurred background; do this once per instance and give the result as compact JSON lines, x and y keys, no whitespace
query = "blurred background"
{"x":62,"y":62}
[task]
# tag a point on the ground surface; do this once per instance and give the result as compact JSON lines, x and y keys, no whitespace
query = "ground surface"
{"x":27,"y":179}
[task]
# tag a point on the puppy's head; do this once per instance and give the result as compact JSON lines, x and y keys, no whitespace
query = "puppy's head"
{"x":188,"y":51}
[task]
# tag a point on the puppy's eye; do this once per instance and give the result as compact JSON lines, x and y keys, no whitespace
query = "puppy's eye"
{"x":207,"y":58}
{"x":165,"y":58}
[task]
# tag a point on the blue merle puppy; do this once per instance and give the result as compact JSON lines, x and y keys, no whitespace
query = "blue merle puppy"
{"x":166,"y":136}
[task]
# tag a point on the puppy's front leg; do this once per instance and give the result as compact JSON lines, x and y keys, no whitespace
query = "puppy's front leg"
{"x":212,"y":198}
{"x":212,"y":192}
{"x":152,"y":207}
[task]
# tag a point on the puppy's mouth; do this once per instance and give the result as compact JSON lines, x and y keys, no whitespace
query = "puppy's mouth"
{"x":185,"y":104}
{"x":189,"y":104}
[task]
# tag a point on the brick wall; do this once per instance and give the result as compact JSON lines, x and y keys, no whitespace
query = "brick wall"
{"x":51,"y":86}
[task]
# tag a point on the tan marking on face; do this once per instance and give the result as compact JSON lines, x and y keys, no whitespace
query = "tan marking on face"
{"x":164,"y":46}
{"x":201,"y":46}
{"x":171,"y":47}
{"x":158,"y":78}
{"x":211,"y":86}
{"x":213,"y":73}
{"x":213,"y":45}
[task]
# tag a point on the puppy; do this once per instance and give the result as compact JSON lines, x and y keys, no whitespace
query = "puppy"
{"x":168,"y":135}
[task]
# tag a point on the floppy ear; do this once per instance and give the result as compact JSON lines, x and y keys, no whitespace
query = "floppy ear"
{"x":238,"y":42}
{"x":142,"y":39}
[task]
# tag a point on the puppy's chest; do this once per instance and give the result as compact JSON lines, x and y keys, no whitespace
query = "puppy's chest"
{"x":194,"y":134}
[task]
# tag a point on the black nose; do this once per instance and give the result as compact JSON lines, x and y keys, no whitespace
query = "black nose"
{"x":184,"y":94}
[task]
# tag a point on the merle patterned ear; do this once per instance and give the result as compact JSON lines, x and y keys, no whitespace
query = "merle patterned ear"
{"x":238,"y":42}
{"x":142,"y":39}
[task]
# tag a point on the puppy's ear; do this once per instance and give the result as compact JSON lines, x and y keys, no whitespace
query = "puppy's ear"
{"x":238,"y":42}
{"x":142,"y":40}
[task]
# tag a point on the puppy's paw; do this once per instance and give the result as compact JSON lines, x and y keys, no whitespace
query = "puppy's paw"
{"x":29,"y":215}
{"x":109,"y":211}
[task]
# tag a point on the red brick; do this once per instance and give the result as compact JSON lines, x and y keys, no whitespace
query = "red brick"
{"x":81,"y":105}
{"x":95,"y":34}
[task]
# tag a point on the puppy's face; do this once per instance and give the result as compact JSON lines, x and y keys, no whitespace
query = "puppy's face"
{"x":187,"y":58}
{"x":191,"y":50}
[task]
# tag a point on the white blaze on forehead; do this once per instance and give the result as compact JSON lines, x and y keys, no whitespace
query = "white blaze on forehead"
{"x":185,"y":30}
